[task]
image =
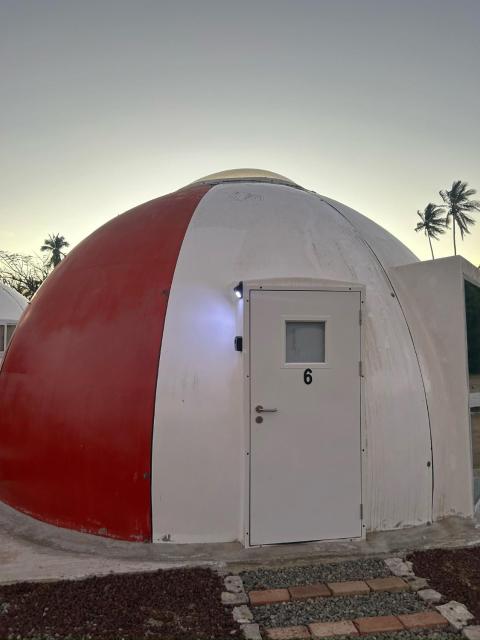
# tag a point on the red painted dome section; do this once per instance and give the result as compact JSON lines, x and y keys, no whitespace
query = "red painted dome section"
{"x":77,"y":386}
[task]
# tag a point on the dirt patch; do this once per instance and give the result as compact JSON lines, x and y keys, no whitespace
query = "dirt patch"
{"x":178,"y":604}
{"x":455,"y":573}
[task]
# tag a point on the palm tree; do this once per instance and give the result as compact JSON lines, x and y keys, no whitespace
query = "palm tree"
{"x":54,"y":245}
{"x":459,"y":205}
{"x":432,"y":223}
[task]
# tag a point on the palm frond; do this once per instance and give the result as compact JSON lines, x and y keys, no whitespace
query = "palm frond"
{"x":54,"y":244}
{"x":458,"y":202}
{"x":472,"y":205}
{"x":432,"y":220}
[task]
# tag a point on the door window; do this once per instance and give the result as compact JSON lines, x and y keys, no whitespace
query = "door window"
{"x":305,"y":341}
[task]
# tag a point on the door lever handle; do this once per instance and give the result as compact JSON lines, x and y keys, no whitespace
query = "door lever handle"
{"x":260,"y":409}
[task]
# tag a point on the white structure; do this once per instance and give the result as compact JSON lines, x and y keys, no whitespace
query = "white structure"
{"x":255,"y":231}
{"x":12,"y":305}
{"x":343,"y":407}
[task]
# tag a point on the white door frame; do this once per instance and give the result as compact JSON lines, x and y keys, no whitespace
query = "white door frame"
{"x":296,"y":284}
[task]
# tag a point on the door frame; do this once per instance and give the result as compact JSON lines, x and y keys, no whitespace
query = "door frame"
{"x":297,"y":284}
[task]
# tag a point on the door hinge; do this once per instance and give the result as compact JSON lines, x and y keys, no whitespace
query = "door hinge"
{"x":360,"y":368}
{"x":361,"y":512}
{"x":360,"y":316}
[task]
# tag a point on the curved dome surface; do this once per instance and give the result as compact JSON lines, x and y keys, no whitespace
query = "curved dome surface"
{"x":130,"y":401}
{"x":12,"y":303}
{"x":259,"y":175}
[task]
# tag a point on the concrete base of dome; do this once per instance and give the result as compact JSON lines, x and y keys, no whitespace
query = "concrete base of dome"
{"x":32,"y":550}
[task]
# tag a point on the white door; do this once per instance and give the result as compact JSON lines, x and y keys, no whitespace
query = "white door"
{"x":305,"y":442}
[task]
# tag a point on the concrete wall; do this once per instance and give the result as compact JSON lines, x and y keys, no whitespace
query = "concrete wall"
{"x":432,"y":297}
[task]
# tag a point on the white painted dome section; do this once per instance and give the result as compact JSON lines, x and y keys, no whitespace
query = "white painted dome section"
{"x":245,"y":174}
{"x":12,"y":303}
{"x":261,"y":231}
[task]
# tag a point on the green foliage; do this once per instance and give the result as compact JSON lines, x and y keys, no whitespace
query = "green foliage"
{"x":26,"y":273}
{"x":54,"y":245}
{"x":459,"y":205}
{"x":458,"y":209}
{"x":432,"y":222}
{"x":23,"y":273}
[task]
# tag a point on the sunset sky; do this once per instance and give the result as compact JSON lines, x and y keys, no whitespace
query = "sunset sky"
{"x":107,"y":103}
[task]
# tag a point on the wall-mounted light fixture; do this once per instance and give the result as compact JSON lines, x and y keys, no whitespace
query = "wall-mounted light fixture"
{"x":238,"y":290}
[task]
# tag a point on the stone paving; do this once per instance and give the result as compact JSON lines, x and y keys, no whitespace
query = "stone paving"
{"x":426,"y":611}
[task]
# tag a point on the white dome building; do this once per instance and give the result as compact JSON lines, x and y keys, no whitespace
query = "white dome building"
{"x":12,"y":305}
{"x":241,"y":360}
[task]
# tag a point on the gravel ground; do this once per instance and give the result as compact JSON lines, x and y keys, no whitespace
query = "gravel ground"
{"x":331,"y":572}
{"x":178,"y":604}
{"x":334,"y":609}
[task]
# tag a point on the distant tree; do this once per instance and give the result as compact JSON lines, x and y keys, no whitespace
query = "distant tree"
{"x":23,"y":273}
{"x":54,"y":245}
{"x":459,"y":205}
{"x":432,"y":223}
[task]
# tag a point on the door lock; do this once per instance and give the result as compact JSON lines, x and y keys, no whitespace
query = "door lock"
{"x":260,"y":409}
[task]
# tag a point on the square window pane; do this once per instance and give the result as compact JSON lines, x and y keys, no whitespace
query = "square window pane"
{"x":10,"y":330}
{"x":305,"y":341}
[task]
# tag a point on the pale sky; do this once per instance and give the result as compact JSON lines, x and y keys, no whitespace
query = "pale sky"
{"x":105,"y":104}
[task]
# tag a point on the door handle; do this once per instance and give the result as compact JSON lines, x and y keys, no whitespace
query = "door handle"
{"x":260,"y":409}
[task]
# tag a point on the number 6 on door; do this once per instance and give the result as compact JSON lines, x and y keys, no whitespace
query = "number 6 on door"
{"x":307,"y":376}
